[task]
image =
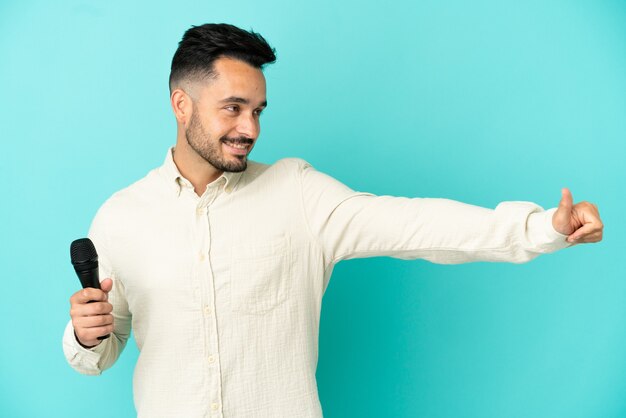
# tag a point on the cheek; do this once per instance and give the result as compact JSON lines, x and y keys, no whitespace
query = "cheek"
{"x":221,"y":127}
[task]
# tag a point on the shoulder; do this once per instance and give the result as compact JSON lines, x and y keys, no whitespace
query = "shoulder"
{"x":289,"y":168}
{"x":284,"y":164}
{"x":285,"y":168}
{"x":135,"y":196}
{"x":292,"y":163}
{"x":284,"y":174}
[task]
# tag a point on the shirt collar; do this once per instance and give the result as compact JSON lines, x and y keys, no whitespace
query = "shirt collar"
{"x":177,"y":182}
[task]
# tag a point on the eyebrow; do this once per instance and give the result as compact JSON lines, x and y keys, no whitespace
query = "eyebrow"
{"x":235,"y":99}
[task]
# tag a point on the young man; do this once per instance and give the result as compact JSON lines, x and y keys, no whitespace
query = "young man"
{"x":220,"y":263}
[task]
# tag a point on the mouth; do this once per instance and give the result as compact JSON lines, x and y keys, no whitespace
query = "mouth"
{"x":236,"y":148}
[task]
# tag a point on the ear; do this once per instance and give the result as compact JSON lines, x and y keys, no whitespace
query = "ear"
{"x":182,"y":106}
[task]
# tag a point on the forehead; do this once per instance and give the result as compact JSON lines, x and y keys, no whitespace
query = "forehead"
{"x":234,"y":78}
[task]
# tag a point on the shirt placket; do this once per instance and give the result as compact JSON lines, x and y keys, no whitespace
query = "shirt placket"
{"x":207,"y":300}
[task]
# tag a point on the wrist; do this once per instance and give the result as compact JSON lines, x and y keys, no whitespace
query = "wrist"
{"x":88,"y":347}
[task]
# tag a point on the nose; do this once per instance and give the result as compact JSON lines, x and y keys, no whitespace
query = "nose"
{"x":248,"y":126}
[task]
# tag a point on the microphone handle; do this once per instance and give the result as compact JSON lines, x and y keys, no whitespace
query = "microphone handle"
{"x":91,"y":278}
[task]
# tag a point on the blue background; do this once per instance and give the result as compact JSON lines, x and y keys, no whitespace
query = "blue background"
{"x":479,"y":101}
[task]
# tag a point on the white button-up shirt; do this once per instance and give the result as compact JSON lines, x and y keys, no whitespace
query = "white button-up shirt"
{"x":223,"y":291}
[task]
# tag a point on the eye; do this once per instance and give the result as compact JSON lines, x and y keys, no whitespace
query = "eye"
{"x":234,"y":108}
{"x":258,"y":112}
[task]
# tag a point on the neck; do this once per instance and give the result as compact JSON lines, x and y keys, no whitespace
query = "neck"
{"x":194,"y":168}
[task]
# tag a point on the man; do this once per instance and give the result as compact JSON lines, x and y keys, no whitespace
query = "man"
{"x":220,"y":263}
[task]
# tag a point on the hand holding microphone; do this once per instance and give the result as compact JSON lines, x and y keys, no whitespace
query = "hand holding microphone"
{"x":89,"y":309}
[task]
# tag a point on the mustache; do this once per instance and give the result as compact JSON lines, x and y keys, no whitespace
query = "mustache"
{"x":240,"y":140}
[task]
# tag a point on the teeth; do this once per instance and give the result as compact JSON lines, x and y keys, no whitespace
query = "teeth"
{"x":239,"y":146}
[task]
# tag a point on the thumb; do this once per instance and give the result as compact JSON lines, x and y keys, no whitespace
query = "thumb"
{"x":106,"y":285}
{"x":567,"y":202}
{"x":561,"y":220}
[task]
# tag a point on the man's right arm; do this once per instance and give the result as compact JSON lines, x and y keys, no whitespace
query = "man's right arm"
{"x":108,"y":314}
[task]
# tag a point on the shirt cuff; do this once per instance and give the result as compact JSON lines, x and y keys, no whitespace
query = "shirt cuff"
{"x":541,"y":232}
{"x":82,"y":359}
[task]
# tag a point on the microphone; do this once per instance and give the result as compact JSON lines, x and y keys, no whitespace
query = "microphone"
{"x":85,"y":261}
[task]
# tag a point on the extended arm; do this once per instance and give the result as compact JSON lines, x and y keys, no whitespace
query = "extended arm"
{"x":349,"y":224}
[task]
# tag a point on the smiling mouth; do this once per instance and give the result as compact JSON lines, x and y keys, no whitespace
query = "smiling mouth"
{"x":236,"y":148}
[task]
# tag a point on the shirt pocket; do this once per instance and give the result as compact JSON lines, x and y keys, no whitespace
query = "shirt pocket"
{"x":260,"y":275}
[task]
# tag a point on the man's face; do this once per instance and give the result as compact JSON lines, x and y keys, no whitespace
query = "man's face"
{"x":224,"y":125}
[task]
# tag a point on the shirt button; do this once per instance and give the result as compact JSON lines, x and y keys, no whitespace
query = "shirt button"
{"x":201,"y":256}
{"x":214,"y":406}
{"x":200,"y":211}
{"x":211,"y":359}
{"x":207,"y":310}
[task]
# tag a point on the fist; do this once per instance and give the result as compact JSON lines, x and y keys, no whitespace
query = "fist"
{"x":91,"y":314}
{"x":580,"y":221}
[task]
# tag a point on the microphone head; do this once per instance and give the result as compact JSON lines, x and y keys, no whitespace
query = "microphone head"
{"x":82,"y":250}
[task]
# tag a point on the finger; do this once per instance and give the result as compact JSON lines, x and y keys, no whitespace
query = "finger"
{"x":596,"y":237}
{"x":106,"y":285}
{"x":92,"y":321}
{"x":584,"y":231}
{"x":89,"y":336}
{"x":567,"y":201}
{"x":88,"y":294}
{"x":90,"y":309}
{"x":588,"y":213}
{"x":561,"y":220}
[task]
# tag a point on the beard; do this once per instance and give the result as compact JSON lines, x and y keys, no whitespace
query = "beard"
{"x":211,"y":150}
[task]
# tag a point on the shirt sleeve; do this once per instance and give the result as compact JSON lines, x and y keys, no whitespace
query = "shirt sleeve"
{"x":349,"y":224}
{"x":93,"y":361}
